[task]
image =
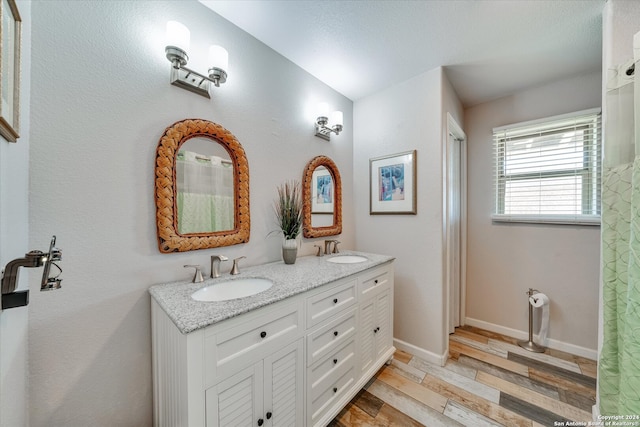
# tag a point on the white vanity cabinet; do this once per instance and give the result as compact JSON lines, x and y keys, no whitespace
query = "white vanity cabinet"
{"x":296,"y":362}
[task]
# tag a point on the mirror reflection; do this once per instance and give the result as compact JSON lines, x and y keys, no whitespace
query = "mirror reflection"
{"x":204,"y":187}
{"x":322,"y":197}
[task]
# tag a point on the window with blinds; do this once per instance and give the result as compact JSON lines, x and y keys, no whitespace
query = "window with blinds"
{"x":548,"y":171}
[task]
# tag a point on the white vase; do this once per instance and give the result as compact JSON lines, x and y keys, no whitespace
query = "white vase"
{"x":289,"y":251}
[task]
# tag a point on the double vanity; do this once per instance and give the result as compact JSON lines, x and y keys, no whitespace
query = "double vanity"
{"x":293,"y":352}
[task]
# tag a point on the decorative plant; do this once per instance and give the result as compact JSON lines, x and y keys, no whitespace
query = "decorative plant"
{"x":288,"y":208}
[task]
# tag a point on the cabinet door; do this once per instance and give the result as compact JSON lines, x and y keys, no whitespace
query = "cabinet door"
{"x":383,"y":333}
{"x":236,"y":401}
{"x":367,"y":326}
{"x":284,"y":387}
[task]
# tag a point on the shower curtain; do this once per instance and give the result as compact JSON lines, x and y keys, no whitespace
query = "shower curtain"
{"x":619,"y":364}
{"x":205,"y":193}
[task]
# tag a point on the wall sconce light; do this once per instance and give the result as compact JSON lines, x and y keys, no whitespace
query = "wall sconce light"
{"x":324,"y":126}
{"x":177,"y":44}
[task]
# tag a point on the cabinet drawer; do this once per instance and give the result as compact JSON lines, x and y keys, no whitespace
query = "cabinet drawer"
{"x":326,"y":304}
{"x":236,"y":347}
{"x":376,"y":280}
{"x":324,"y":399}
{"x":330,"y":337}
{"x":327,"y":367}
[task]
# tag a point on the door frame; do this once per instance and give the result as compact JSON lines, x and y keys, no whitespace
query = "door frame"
{"x":455,"y":134}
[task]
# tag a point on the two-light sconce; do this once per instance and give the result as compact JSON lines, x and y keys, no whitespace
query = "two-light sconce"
{"x":177,"y":44}
{"x":327,"y":123}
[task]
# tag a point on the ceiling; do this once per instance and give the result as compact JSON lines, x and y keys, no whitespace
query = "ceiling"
{"x":489,"y":48}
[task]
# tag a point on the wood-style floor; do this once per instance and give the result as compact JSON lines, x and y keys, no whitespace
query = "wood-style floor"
{"x":488,"y":381}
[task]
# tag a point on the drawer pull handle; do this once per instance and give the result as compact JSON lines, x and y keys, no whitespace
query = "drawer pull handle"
{"x":263,"y":334}
{"x":335,"y":333}
{"x":335,"y":389}
{"x":335,"y":361}
{"x":260,"y":421}
{"x":269,"y":414}
{"x":335,"y":300}
{"x":376,"y":329}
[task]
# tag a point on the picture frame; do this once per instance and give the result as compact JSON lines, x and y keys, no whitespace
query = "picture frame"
{"x":392,"y":182}
{"x":10,"y":45}
{"x":322,"y":192}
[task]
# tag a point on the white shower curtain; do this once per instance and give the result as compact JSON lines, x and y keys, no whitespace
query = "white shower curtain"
{"x":619,"y":363}
{"x":205,"y":193}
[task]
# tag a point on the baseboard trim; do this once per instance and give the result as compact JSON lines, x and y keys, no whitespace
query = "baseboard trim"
{"x":438,"y":359}
{"x":514,"y":333}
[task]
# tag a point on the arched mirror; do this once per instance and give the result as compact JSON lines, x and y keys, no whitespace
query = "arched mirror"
{"x":202,"y":188}
{"x":322,"y":198}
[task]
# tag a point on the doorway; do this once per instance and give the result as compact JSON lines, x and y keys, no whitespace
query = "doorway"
{"x":455,"y":214}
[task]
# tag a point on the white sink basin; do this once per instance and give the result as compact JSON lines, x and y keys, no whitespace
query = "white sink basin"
{"x":346,"y":259}
{"x":232,"y":289}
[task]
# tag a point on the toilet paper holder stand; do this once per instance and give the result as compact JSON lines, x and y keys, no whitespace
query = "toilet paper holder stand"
{"x":530,"y":345}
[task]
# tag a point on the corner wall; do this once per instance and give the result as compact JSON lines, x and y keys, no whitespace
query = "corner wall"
{"x":14,"y":229}
{"x":404,"y":117}
{"x":504,"y":260}
{"x":101,"y":100}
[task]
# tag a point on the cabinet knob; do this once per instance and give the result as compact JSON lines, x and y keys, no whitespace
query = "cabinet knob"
{"x":335,"y":300}
{"x":269,"y":414}
{"x":375,"y":281}
{"x":260,"y":421}
{"x":335,"y":389}
{"x":335,"y":333}
{"x":335,"y":361}
{"x":263,"y":334}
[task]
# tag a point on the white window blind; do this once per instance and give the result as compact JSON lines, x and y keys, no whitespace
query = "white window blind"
{"x":548,"y":171}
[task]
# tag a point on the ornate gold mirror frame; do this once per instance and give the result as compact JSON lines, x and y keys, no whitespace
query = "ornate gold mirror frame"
{"x":169,"y":240}
{"x":307,"y":180}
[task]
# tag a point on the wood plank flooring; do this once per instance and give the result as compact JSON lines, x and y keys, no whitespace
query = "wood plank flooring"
{"x":488,"y":381}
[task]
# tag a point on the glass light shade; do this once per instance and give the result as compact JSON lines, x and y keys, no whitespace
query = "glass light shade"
{"x":323,"y":109}
{"x":219,"y":58}
{"x":178,"y":35}
{"x":336,"y":118}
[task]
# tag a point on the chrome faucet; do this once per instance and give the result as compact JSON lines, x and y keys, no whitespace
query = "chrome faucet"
{"x":235,"y":270}
{"x":335,"y":246}
{"x":215,"y":265}
{"x":319,"y":253}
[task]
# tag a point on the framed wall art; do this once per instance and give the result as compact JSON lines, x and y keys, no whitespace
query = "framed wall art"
{"x":392,"y":181}
{"x":10,"y":32}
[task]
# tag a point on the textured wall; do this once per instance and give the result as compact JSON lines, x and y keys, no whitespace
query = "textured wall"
{"x":405,"y":117}
{"x":504,"y":260}
{"x":101,"y":99}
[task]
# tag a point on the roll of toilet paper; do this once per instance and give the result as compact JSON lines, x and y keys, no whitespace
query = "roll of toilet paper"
{"x":540,"y":300}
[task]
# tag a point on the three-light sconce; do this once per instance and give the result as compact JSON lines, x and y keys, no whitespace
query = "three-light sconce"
{"x":177,"y":44}
{"x":328,"y":122}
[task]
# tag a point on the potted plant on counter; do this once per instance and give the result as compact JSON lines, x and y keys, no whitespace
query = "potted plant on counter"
{"x":288,"y":210}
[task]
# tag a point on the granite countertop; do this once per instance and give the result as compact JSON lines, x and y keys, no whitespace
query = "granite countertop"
{"x":307,"y":273}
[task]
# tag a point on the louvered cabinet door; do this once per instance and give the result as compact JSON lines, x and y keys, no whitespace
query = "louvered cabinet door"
{"x":367,"y":333}
{"x":236,"y":401}
{"x":383,"y":334}
{"x":283,"y":387}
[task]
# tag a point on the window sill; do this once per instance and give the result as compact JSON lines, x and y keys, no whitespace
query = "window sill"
{"x":589,"y":220}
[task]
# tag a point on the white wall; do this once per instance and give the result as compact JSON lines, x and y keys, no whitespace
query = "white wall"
{"x":405,"y":117}
{"x":101,"y":100}
{"x":504,"y":260}
{"x":14,"y":229}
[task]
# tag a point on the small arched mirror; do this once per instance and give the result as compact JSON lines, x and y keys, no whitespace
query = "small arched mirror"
{"x":202,"y":188}
{"x":322,"y":198}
